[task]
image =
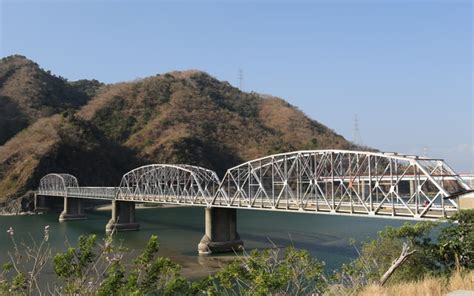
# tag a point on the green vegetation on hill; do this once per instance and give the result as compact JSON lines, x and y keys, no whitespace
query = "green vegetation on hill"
{"x":97,"y":132}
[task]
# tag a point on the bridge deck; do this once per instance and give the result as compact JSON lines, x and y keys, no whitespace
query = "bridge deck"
{"x":397,"y":210}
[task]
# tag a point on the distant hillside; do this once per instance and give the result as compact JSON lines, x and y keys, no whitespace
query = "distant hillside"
{"x":105,"y":130}
{"x":60,"y":143}
{"x":28,"y":92}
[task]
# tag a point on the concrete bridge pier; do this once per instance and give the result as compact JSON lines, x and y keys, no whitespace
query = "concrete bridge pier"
{"x":40,"y":203}
{"x":221,"y":232}
{"x":123,"y":217}
{"x":73,"y":210}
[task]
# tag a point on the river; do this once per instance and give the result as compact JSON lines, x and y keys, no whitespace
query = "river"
{"x":180,"y":229}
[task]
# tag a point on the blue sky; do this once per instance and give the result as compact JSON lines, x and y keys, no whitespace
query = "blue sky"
{"x":405,"y":67}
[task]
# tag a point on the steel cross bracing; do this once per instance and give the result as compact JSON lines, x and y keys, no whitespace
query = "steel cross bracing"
{"x":57,"y":184}
{"x":343,"y":182}
{"x":319,"y":181}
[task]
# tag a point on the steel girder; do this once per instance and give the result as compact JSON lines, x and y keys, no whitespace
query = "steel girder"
{"x":57,"y":184}
{"x":165,"y":183}
{"x":343,"y":182}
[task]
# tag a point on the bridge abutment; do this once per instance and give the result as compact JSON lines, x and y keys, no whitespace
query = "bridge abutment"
{"x":221,"y":232}
{"x":73,"y":210}
{"x":123,"y":217}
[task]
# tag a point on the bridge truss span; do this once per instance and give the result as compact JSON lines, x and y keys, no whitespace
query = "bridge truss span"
{"x":57,"y":184}
{"x":166,"y":183}
{"x":343,"y":182}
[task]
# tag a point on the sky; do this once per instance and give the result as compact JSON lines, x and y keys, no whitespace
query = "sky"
{"x":404,"y":67}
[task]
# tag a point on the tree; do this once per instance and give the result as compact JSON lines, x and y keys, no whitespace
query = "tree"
{"x":408,"y":249}
{"x":456,"y":242}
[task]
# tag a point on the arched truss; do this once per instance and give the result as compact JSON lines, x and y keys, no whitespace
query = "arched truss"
{"x":344,"y":182}
{"x":57,"y":184}
{"x":169,"y":184}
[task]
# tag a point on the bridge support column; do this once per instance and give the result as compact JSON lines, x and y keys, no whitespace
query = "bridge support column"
{"x":221,"y":232}
{"x":123,"y":217}
{"x":40,"y":203}
{"x":73,"y":210}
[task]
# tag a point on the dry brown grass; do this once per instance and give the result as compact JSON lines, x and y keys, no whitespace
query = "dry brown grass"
{"x":296,"y":127}
{"x":181,"y":109}
{"x":432,"y":286}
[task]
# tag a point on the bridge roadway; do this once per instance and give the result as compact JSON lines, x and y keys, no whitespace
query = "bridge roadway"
{"x":338,"y":182}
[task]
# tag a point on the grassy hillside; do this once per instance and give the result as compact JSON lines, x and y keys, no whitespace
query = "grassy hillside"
{"x":97,"y":132}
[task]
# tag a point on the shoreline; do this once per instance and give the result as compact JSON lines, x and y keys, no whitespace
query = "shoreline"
{"x":28,"y":213}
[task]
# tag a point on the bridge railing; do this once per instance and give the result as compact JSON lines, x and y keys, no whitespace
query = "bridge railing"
{"x":93,"y":192}
{"x":51,"y":192}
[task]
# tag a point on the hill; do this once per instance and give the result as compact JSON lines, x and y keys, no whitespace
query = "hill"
{"x":191,"y":117}
{"x":27,"y":93}
{"x":98,"y":132}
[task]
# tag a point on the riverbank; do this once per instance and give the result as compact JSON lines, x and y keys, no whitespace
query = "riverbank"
{"x":28,"y":213}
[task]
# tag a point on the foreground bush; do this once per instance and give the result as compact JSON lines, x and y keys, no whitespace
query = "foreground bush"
{"x":93,"y":268}
{"x":269,"y":273}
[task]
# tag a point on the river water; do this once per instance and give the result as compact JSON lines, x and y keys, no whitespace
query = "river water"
{"x":180,"y":229}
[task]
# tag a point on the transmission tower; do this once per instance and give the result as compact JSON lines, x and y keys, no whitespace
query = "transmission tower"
{"x":241,"y":78}
{"x":357,"y":138}
{"x":425,"y":152}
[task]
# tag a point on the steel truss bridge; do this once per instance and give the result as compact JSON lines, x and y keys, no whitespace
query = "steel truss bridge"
{"x":340,"y":182}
